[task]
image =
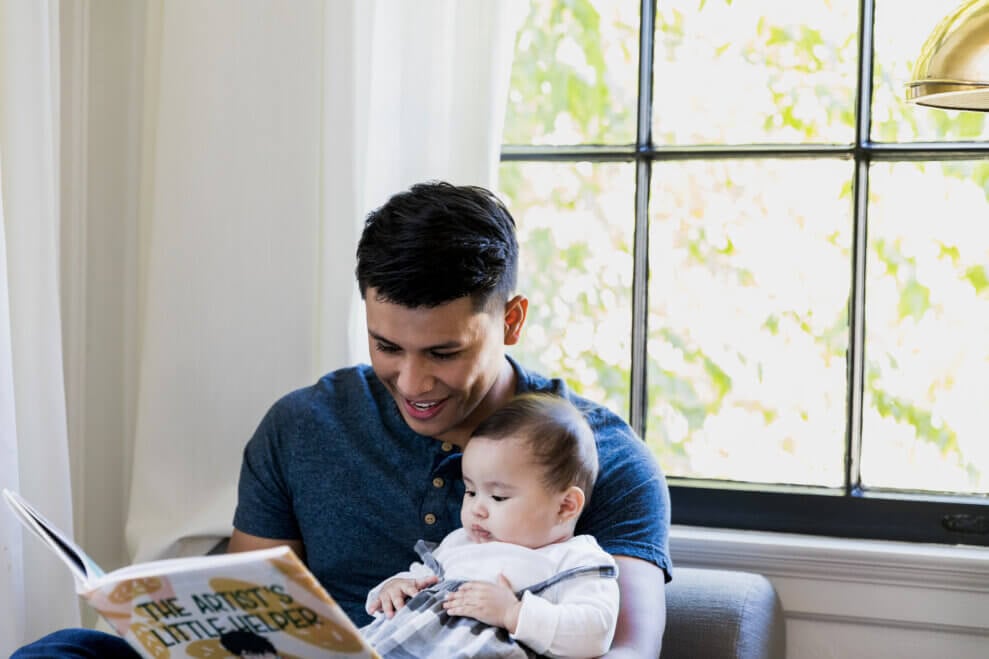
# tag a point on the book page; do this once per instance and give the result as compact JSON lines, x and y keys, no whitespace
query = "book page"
{"x":83,"y":568}
{"x":266,"y":600}
{"x":184,"y":564}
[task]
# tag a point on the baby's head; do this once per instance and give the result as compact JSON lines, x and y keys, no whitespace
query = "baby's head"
{"x":528,"y":472}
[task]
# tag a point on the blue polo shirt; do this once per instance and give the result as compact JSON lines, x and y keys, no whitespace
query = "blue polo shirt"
{"x":335,"y":466}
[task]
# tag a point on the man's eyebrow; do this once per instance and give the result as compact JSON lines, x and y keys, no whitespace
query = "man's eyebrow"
{"x":378,"y":337}
{"x":449,"y":345}
{"x":445,"y":346}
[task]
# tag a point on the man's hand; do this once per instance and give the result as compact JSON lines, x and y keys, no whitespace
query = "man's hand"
{"x":395,"y":591}
{"x":491,"y":603}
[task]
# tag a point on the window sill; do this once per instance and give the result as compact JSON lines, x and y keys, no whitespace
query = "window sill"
{"x":862,"y":582}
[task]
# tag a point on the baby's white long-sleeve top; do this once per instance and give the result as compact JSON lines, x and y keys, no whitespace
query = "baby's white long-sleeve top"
{"x":574,"y":618}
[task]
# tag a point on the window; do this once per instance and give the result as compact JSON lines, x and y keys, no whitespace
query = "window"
{"x":737,"y":234}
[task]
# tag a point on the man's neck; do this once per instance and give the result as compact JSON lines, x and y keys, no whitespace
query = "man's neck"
{"x":502,"y":391}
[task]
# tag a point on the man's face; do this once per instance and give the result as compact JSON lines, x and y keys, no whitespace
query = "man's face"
{"x":445,"y":366}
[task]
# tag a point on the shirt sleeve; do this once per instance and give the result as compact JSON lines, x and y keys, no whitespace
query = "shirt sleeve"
{"x":264,"y":498}
{"x":581,"y":624}
{"x":629,"y":509}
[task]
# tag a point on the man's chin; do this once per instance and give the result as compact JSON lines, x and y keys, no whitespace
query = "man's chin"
{"x":432,"y":427}
{"x":436,"y":425}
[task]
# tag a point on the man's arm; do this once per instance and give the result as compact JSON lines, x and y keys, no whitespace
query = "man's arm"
{"x":240,"y":541}
{"x":642,"y":612}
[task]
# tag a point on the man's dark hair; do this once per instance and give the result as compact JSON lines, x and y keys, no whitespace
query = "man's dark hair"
{"x":436,"y":243}
{"x":556,"y":433}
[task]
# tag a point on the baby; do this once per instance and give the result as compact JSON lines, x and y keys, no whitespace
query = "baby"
{"x":514,"y":581}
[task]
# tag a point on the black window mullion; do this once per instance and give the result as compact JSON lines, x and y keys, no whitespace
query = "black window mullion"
{"x":639,"y":399}
{"x":863,"y":123}
{"x":856,"y":338}
{"x":860,"y":214}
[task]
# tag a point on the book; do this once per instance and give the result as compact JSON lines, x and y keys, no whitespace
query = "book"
{"x":263,"y":603}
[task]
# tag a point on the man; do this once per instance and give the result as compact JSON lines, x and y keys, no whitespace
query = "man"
{"x":353,"y":470}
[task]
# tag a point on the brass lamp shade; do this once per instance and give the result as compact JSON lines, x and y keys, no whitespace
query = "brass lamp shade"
{"x":952,"y":71}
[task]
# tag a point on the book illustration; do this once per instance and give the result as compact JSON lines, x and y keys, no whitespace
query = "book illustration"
{"x":258,"y":603}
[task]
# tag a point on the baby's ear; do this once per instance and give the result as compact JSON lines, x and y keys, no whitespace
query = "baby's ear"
{"x":572,"y":503}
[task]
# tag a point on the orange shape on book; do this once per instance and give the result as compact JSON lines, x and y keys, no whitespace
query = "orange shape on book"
{"x":213,"y":648}
{"x":126,"y":591}
{"x":143,"y":633}
{"x":208,"y":649}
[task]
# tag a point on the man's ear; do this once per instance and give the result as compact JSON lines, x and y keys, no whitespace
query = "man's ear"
{"x":515,"y":312}
{"x":571,"y":504}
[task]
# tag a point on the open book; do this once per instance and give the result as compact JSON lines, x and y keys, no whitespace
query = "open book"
{"x":262,"y":603}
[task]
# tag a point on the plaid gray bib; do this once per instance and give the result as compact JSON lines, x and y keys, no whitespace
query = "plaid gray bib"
{"x":422,"y":629}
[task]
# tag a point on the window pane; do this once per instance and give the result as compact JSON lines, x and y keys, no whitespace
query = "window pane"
{"x":927,"y":323}
{"x":575,"y":74}
{"x":761,"y":71}
{"x":575,"y":224}
{"x":899,"y":36}
{"x":748,"y":325}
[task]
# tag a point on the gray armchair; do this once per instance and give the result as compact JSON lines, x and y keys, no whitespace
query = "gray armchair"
{"x":722,"y":614}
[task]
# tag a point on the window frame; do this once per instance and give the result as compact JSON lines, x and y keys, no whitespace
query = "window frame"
{"x":851,"y":511}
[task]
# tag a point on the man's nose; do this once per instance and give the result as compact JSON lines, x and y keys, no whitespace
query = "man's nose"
{"x":415,"y":378}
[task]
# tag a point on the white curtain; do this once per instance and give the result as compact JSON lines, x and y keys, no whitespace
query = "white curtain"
{"x":267,"y":130}
{"x":36,"y":591}
{"x":273,"y":128}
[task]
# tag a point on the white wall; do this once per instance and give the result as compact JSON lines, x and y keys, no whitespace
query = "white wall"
{"x":841,"y":598}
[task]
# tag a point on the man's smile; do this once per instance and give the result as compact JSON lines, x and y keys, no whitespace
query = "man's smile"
{"x":423,"y":410}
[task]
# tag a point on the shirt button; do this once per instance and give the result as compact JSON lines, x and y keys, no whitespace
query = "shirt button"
{"x":430,"y":518}
{"x":438,"y":482}
{"x":447,"y":447}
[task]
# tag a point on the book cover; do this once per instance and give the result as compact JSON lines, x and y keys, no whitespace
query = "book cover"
{"x":263,"y":603}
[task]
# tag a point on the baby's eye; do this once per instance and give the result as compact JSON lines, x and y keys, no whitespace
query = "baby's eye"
{"x":470,"y":493}
{"x":499,"y":499}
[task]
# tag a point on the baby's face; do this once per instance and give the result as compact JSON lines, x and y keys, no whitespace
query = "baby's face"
{"x":505,"y":499}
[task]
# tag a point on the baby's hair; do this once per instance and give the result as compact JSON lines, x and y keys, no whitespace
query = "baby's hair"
{"x":557,"y":435}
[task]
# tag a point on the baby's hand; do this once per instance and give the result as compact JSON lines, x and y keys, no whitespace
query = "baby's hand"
{"x":494,"y":604}
{"x":395,"y":591}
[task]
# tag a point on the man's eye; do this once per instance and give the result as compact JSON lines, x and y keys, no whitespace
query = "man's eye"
{"x":444,"y":355}
{"x":386,"y":347}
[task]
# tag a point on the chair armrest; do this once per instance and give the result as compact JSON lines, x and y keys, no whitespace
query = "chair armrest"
{"x":723,"y":614}
{"x":220,"y":547}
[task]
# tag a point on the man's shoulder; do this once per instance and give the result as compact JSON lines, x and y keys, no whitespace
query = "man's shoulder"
{"x":536,"y":382}
{"x":605,"y":422}
{"x":354,"y":382}
{"x":336,"y":398}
